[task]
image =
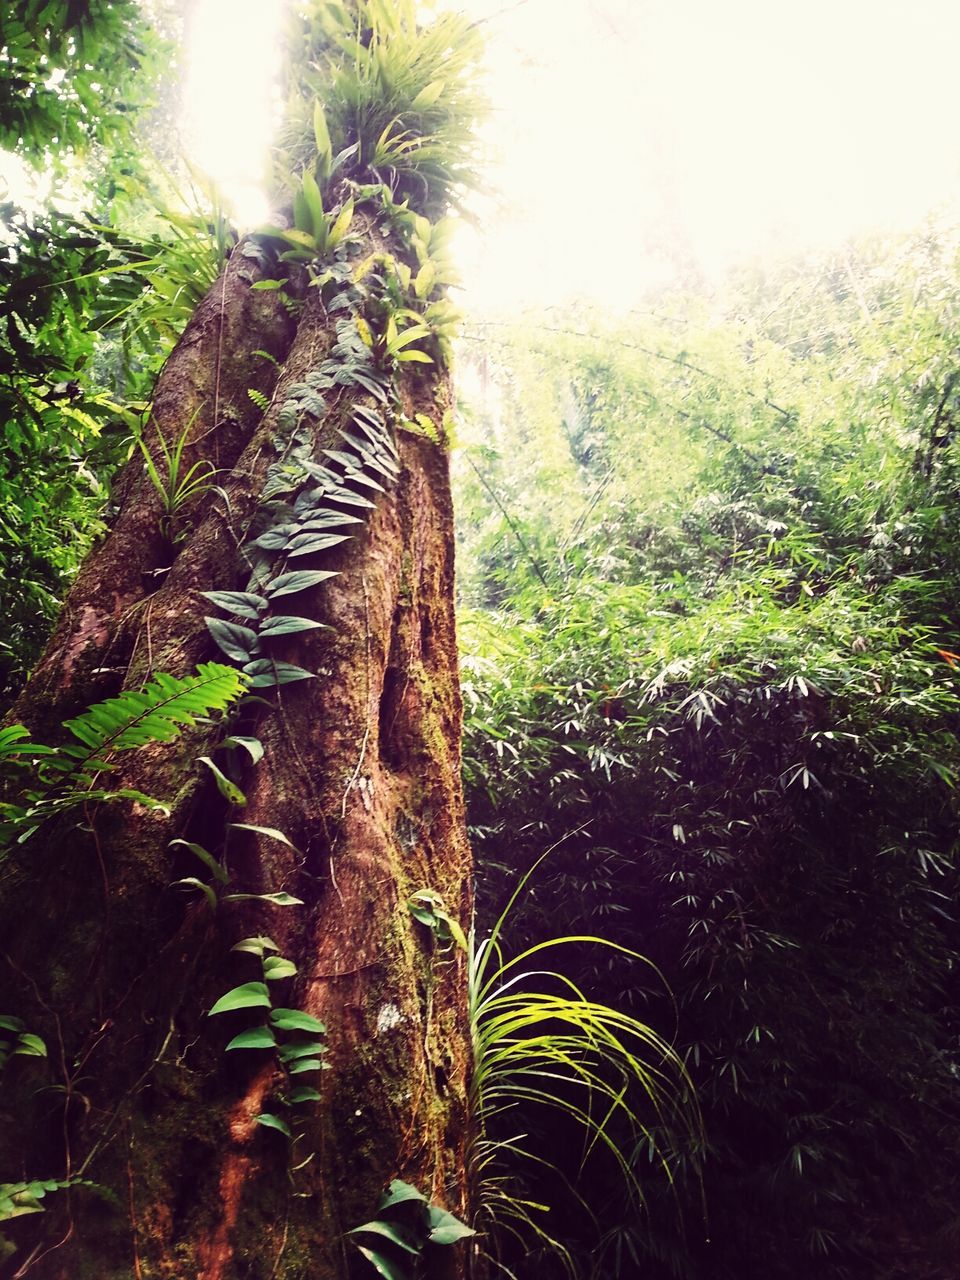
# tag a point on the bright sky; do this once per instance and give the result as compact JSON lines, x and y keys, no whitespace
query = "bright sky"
{"x":635,"y":140}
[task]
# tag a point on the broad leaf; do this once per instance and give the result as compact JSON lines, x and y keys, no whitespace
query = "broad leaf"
{"x":304,"y":1093}
{"x":257,"y":1038}
{"x":445,"y":1228}
{"x":252,"y":995}
{"x":389,"y":1269}
{"x":388,"y":1230}
{"x":237,"y":642}
{"x":280,"y":899}
{"x":300,"y":580}
{"x":296,"y":1020}
{"x":266,"y":673}
{"x":286,"y":624}
{"x":229,"y":790}
{"x":245,"y":604}
{"x":252,"y":746}
{"x":270,"y":1121}
{"x":255,"y":946}
{"x":398,"y":1193}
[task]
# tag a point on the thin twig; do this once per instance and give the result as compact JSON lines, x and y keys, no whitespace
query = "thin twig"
{"x":510,"y":521}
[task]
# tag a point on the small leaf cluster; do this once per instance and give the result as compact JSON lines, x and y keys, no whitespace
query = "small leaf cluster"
{"x":398,"y":1241}
{"x":15,"y":1039}
{"x":293,"y":1035}
{"x":381,"y":97}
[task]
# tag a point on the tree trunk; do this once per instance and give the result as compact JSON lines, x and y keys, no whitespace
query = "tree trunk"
{"x":117,"y":971}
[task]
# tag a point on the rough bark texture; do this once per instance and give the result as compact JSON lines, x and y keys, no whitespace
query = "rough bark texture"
{"x":117,"y":971}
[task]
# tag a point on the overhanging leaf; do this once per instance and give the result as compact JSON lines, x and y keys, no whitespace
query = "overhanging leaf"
{"x":399,"y":1192}
{"x":280,"y":899}
{"x":272,"y":833}
{"x":229,"y":790}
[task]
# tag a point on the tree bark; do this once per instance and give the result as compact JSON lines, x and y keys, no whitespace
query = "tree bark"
{"x":361,"y":771}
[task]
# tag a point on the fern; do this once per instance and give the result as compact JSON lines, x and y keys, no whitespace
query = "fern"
{"x":156,"y":713}
{"x":135,"y":718}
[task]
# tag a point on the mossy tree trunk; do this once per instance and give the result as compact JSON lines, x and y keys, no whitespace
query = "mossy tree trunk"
{"x":117,"y":970}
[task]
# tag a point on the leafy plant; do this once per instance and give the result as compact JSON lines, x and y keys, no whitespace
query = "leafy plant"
{"x":293,"y":1035}
{"x":539,"y":1042}
{"x":398,"y":104}
{"x":177,"y":488}
{"x":399,"y":1240}
{"x":67,"y":776}
{"x":16,"y":1039}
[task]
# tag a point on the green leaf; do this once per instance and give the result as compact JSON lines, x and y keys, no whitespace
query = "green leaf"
{"x":427,"y":96}
{"x":286,"y":624}
{"x":207,"y":858}
{"x":341,"y":226}
{"x":270,"y":284}
{"x":277,"y":967}
{"x":243,"y":603}
{"x":306,"y":1064}
{"x":300,"y":580}
{"x":10,"y":1023}
{"x":275,"y":899}
{"x":257,"y":1038}
{"x":266,"y":673}
{"x":321,"y":134}
{"x":252,"y":746}
{"x":255,"y":946}
{"x":270,"y":1121}
{"x":252,"y":995}
{"x":388,"y":1230}
{"x":30,"y":1046}
{"x":305,"y":1093}
{"x":445,"y":1228}
{"x":275,"y":539}
{"x":296,"y":1020}
{"x":156,"y":713}
{"x":398,"y":1193}
{"x":237,"y":642}
{"x":192,"y":882}
{"x":311,"y":193}
{"x":307,"y":544}
{"x":302,"y":1049}
{"x":412,"y":356}
{"x":270,"y":832}
{"x":229,"y":790}
{"x":387,"y":1268}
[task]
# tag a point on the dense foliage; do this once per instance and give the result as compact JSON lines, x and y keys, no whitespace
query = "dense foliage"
{"x":712,"y":563}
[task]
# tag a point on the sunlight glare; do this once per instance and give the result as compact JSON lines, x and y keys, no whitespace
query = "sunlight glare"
{"x":229,"y":107}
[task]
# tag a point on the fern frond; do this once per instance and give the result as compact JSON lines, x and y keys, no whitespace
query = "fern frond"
{"x":156,"y":713}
